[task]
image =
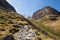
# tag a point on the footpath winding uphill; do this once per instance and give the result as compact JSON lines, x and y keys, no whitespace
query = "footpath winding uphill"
{"x":25,"y":33}
{"x":40,"y":30}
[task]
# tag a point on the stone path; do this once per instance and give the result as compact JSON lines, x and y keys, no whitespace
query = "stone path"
{"x":25,"y":34}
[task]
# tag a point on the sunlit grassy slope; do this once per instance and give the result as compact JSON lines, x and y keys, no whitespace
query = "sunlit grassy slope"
{"x":9,"y":19}
{"x":50,"y":26}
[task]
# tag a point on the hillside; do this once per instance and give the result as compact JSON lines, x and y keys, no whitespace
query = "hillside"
{"x":45,"y":12}
{"x":6,"y":6}
{"x":48,"y":18}
{"x":14,"y":26}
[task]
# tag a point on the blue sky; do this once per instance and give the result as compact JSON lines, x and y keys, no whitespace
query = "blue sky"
{"x":28,"y":7}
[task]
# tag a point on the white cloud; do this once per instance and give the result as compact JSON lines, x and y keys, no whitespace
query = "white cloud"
{"x":7,"y":0}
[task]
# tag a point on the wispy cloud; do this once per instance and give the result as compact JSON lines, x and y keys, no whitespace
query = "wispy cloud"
{"x":8,"y":0}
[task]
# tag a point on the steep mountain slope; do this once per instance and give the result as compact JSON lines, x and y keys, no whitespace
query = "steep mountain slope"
{"x":15,"y":27}
{"x":45,"y":11}
{"x":49,"y":19}
{"x":6,"y":6}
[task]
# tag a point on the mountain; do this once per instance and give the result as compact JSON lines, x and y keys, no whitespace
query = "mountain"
{"x":48,"y":19}
{"x":6,"y":6}
{"x":14,"y":26}
{"x":45,"y":11}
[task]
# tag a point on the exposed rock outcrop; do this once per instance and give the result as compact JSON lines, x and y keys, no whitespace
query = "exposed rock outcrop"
{"x":45,"y":11}
{"x":9,"y":37}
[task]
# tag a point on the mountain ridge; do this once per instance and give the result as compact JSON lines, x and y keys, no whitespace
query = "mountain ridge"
{"x":44,"y":11}
{"x":6,"y":6}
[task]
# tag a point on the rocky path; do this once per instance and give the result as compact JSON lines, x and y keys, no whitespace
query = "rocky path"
{"x":25,"y":33}
{"x":41,"y":31}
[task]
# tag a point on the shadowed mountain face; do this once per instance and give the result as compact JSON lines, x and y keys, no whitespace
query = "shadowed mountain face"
{"x":6,"y":6}
{"x":45,"y":11}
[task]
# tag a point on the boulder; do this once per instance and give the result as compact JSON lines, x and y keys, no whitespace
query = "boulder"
{"x":9,"y":37}
{"x":17,"y":26}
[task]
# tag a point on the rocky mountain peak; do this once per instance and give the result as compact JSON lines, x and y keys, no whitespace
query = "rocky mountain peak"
{"x":47,"y":7}
{"x":45,"y":11}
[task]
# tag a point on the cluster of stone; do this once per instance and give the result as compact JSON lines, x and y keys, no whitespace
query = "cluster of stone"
{"x":25,"y":33}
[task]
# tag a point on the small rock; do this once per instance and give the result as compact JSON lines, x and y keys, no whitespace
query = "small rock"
{"x":18,"y":26}
{"x":2,"y":29}
{"x":13,"y":30}
{"x":10,"y":22}
{"x":9,"y":37}
{"x":39,"y":39}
